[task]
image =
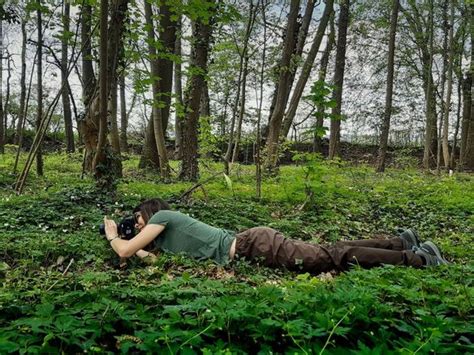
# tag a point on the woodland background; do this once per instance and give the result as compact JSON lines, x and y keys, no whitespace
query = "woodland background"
{"x":205,"y":78}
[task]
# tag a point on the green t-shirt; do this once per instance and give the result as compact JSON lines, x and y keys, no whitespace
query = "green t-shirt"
{"x":183,"y":234}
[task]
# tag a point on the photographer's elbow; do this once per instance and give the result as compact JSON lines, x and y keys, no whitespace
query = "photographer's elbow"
{"x":124,"y":251}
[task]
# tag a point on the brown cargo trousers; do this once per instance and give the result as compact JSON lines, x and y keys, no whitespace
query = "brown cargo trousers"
{"x":272,"y":249}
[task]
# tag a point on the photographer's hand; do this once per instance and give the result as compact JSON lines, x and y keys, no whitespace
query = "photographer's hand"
{"x":110,"y":229}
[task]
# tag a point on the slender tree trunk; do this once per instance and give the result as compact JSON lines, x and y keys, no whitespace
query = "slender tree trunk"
{"x":88,"y":76}
{"x":466,"y":119}
{"x":2,"y":133}
{"x":335,"y":135}
{"x":100,"y":153}
{"x":21,"y":114}
{"x":88,"y":130}
{"x":240,"y":88}
{"x":157,"y":118}
{"x":106,"y":165}
{"x":320,"y":115}
{"x":449,"y":90}
{"x":258,"y":163}
{"x":201,"y":38}
{"x":114,"y":131}
{"x":39,"y":112}
{"x":456,"y":129}
{"x":431,"y":137}
{"x":389,"y":93}
{"x":280,"y":103}
{"x":306,"y":70}
{"x":6,"y":110}
{"x":205,"y":106}
{"x":164,"y":80}
{"x":235,"y":154}
{"x":302,"y":32}
{"x":467,"y":149}
{"x":123,"y":115}
{"x":178,"y":92}
{"x":70,"y":148}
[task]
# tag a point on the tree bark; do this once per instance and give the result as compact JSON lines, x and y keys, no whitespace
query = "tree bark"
{"x":105,"y":164}
{"x":199,"y":54}
{"x":335,"y":134}
{"x":281,"y":93}
{"x":466,"y":119}
{"x":123,"y":115}
{"x":446,"y":154}
{"x":389,"y":92}
{"x":158,"y":128}
{"x":238,"y":133}
{"x":100,"y":154}
{"x":88,"y":76}
{"x":178,"y":92}
{"x":114,"y":131}
{"x":306,"y":70}
{"x":70,"y":148}
{"x":39,"y":112}
{"x":21,"y":114}
{"x":2,"y":133}
{"x":164,"y":79}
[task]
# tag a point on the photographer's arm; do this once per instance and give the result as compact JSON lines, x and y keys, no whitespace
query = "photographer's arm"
{"x":126,"y":248}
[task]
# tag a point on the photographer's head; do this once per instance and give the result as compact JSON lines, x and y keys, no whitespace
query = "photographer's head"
{"x":145,"y":210}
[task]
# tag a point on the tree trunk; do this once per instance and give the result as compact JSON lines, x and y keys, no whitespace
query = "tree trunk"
{"x":467,"y":149}
{"x":88,"y":76}
{"x":238,"y":133}
{"x":199,"y":54}
{"x":306,"y":70}
{"x":389,"y":93}
{"x":114,"y":131}
{"x":158,"y":128}
{"x":178,"y":92}
{"x":335,"y":135}
{"x":88,"y":129}
{"x":239,"y":97}
{"x":258,"y":163}
{"x":39,"y":112}
{"x":431,"y":135}
{"x":105,"y":165}
{"x":466,"y":119}
{"x":123,"y":115}
{"x":205,"y":106}
{"x":64,"y":72}
{"x":163,"y":69}
{"x":21,"y":114}
{"x":100,"y":156}
{"x":449,"y":90}
{"x":2,"y":133}
{"x":283,"y":85}
{"x":320,"y":115}
{"x":7,"y":95}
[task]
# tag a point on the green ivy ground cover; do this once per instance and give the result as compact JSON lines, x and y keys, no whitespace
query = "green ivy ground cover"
{"x":62,"y":289}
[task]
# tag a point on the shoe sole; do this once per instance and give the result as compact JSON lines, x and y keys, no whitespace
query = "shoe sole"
{"x":431,"y":248}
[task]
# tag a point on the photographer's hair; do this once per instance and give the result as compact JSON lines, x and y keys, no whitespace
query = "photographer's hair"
{"x":149,"y":207}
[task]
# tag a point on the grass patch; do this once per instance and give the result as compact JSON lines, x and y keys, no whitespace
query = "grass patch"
{"x":62,"y":290}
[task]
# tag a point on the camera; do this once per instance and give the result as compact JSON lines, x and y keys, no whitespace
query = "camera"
{"x":126,"y":228}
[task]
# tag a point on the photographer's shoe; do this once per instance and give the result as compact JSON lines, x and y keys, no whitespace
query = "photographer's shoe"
{"x":431,"y":253}
{"x":411,"y":237}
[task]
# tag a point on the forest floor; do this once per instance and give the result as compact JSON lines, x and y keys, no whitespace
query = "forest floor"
{"x":62,"y":289}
